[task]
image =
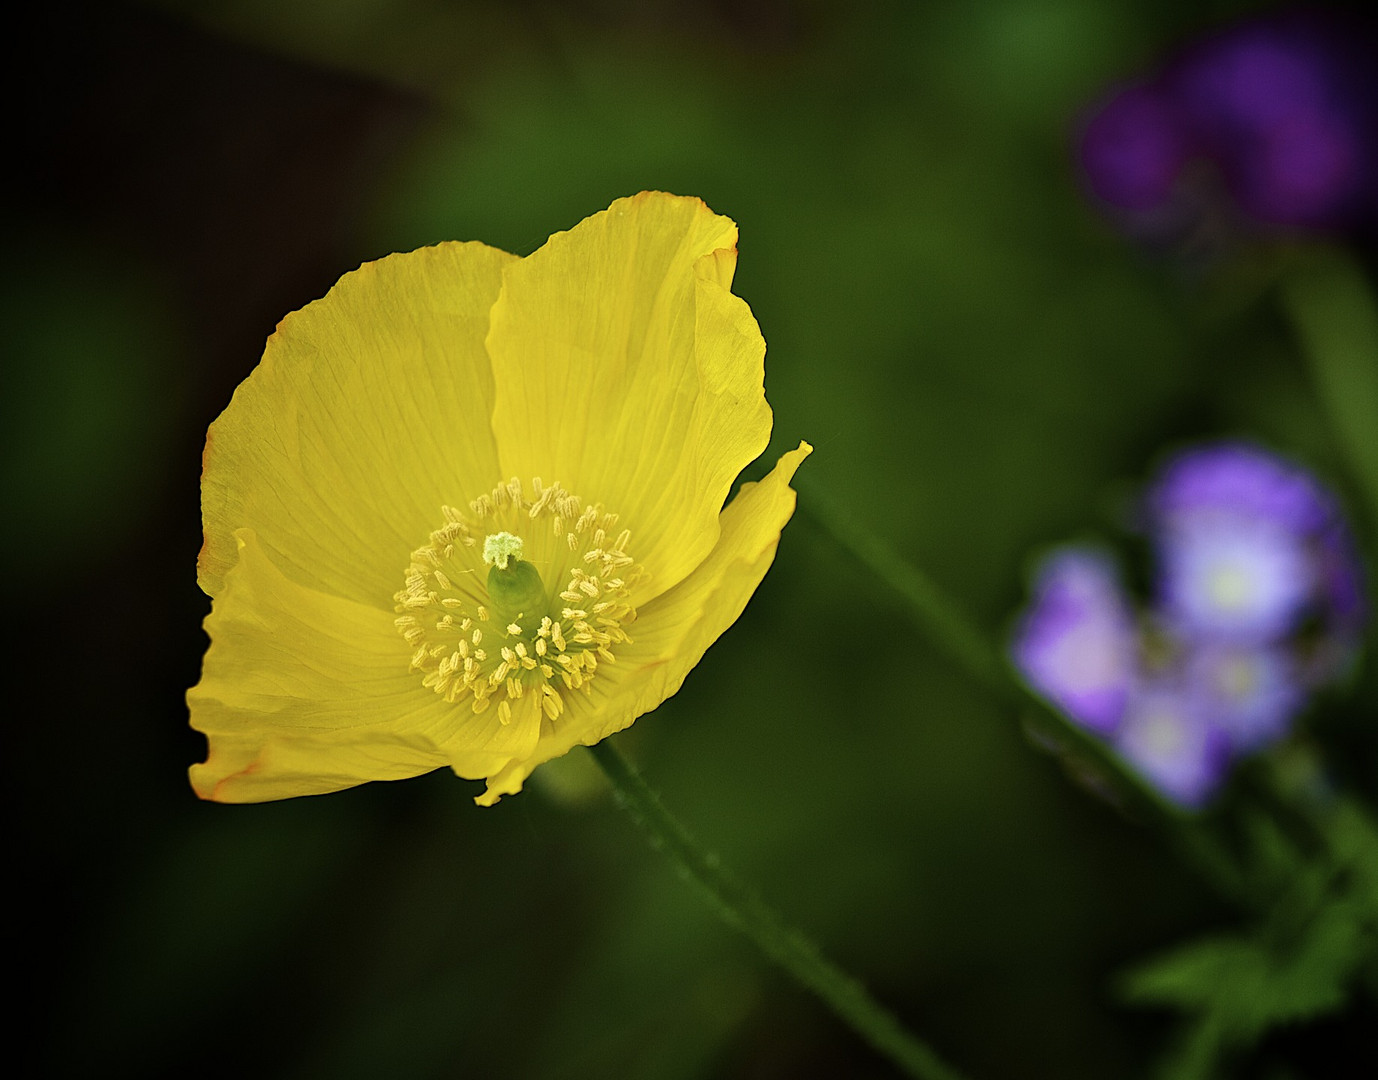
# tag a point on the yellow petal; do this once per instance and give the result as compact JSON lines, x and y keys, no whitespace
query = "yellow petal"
{"x":303,"y":693}
{"x":672,"y":633}
{"x":369,"y":411}
{"x":627,"y":371}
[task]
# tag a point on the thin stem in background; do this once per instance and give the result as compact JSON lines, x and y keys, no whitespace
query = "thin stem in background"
{"x":955,"y":634}
{"x":946,"y":624}
{"x":1336,"y":321}
{"x":742,"y":908}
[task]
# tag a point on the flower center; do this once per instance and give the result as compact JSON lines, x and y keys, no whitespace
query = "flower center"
{"x":1161,"y":731}
{"x":1229,"y":587}
{"x":1238,"y":678}
{"x":480,"y":618}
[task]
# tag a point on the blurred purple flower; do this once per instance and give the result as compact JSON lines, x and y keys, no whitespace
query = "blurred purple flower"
{"x":1250,"y":693}
{"x":1283,"y":109}
{"x":1259,"y":600}
{"x":1134,"y":149}
{"x":1076,"y":644}
{"x":1238,"y":478}
{"x":1168,"y":736}
{"x":1232,"y":577}
{"x":1250,"y":546}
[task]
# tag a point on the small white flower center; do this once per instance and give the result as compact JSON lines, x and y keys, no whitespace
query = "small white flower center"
{"x":1230,"y":587}
{"x":1161,"y":732}
{"x":500,"y":547}
{"x":1238,"y":678}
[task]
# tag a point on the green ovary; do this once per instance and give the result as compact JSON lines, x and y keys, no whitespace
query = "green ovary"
{"x":517,"y":595}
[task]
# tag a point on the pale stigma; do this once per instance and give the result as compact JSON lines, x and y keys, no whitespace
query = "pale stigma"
{"x":500,"y":547}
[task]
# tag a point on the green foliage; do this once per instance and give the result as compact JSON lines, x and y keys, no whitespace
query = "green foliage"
{"x":1298,"y":961}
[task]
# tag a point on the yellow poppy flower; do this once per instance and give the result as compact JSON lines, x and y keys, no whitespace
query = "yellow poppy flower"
{"x":468,"y":510}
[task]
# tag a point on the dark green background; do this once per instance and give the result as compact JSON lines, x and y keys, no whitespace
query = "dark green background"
{"x":983,"y":365}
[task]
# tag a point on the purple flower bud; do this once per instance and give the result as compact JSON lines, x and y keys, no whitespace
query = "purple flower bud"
{"x":1076,"y":643}
{"x":1133,"y":149}
{"x":1283,"y":110}
{"x":1284,"y":107}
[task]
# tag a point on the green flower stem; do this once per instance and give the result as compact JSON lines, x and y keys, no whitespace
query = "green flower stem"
{"x":946,"y":624}
{"x":1333,"y":311}
{"x":740,"y":907}
{"x":953,"y":631}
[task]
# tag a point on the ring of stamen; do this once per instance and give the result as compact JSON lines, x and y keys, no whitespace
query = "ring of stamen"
{"x":469,"y":641}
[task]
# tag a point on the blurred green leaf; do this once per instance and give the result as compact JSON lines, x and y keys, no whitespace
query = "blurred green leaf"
{"x":1247,"y":987}
{"x":1296,"y":965}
